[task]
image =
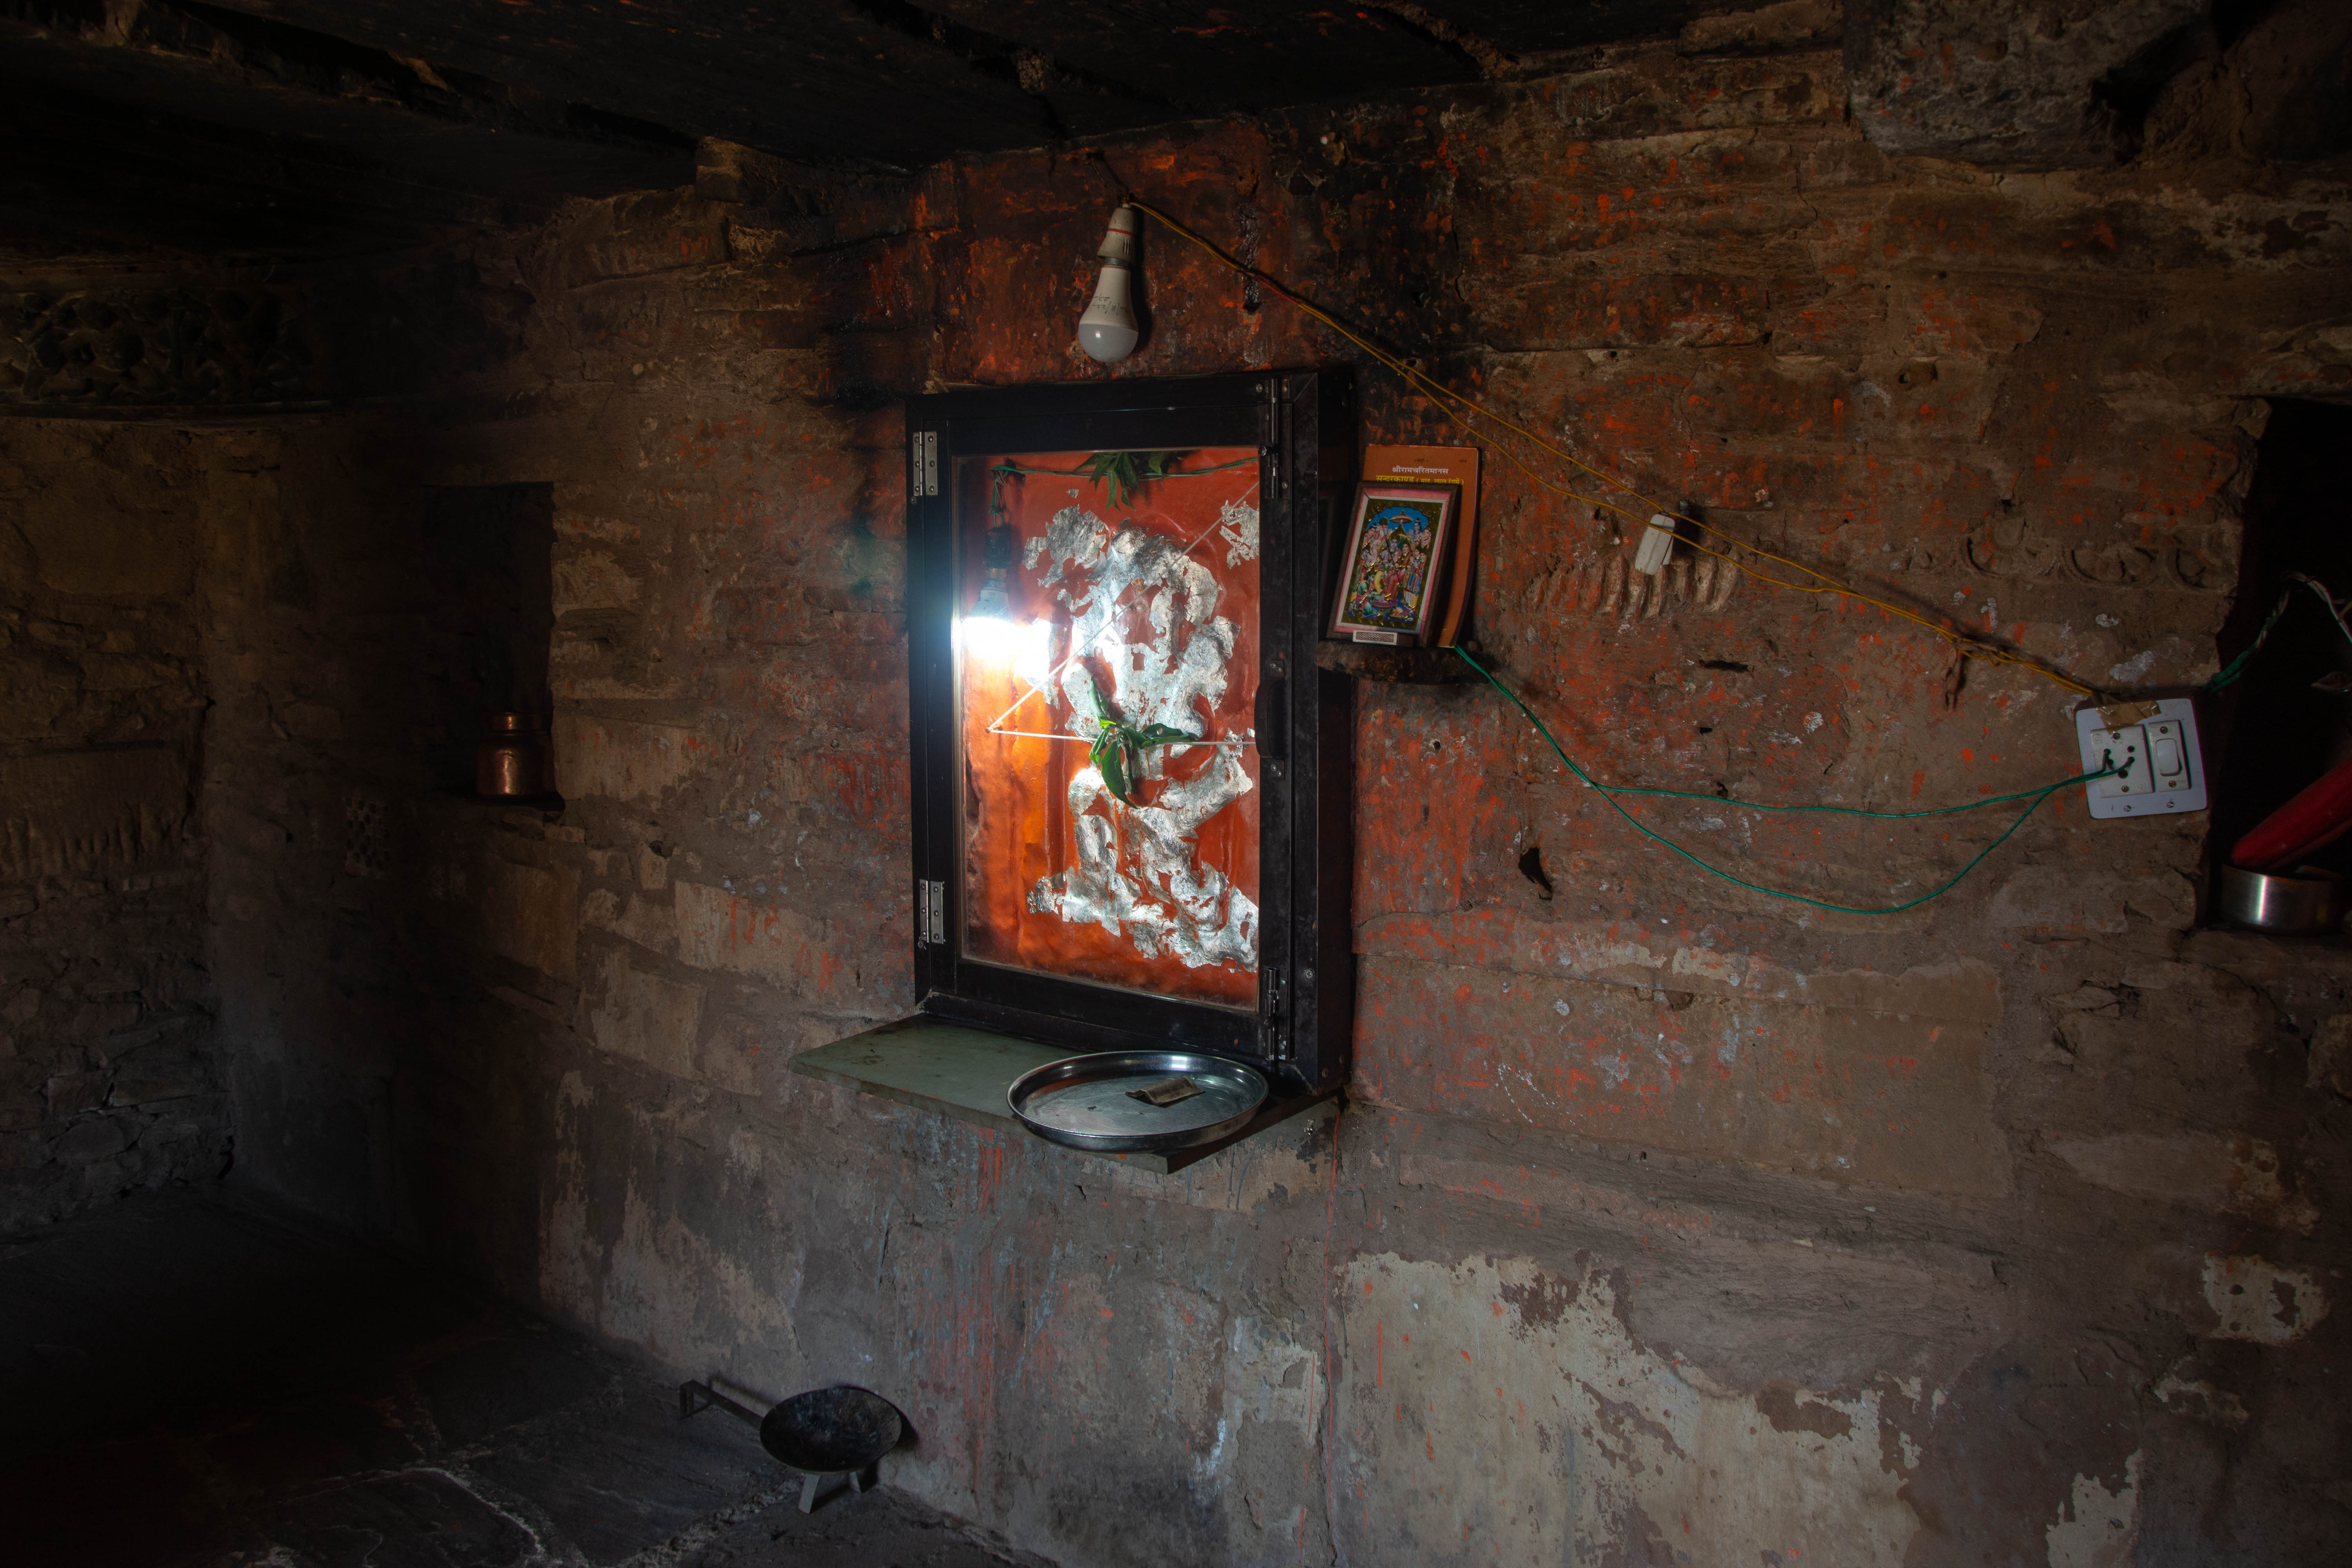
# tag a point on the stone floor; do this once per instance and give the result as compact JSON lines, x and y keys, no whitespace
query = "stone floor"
{"x":204,"y":1380}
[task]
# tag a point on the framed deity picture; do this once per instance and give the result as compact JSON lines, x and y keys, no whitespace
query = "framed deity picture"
{"x":1130,"y":778}
{"x":1392,"y":564}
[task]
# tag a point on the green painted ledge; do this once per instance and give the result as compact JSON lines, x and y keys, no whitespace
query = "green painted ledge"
{"x":958,"y":1070}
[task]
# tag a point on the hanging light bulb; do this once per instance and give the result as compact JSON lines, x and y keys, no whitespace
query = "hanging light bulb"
{"x":1107,"y":331}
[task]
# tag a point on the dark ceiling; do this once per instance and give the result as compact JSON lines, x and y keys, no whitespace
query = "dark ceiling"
{"x":294,"y":127}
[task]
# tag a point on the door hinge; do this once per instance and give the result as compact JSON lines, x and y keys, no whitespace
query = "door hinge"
{"x":926,"y":457}
{"x":931,"y":914}
{"x":1273,"y":1023}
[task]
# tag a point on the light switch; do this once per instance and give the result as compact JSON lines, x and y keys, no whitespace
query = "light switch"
{"x":2153,"y":747}
{"x":2168,"y":761}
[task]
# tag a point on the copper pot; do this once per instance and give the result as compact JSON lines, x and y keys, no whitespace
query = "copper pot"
{"x":513,"y":760}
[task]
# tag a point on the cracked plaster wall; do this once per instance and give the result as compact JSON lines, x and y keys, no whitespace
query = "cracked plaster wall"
{"x":1665,"y":1223}
{"x":110,"y":1070}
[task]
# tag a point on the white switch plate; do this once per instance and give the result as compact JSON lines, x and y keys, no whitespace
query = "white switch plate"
{"x":2167,"y":770}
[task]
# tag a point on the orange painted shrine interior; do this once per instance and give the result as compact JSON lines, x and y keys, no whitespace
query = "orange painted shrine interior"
{"x":1017,"y":783}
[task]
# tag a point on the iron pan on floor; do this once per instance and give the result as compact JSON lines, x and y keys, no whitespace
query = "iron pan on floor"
{"x":825,"y":1434}
{"x":831,"y":1431}
{"x":1088,"y":1102}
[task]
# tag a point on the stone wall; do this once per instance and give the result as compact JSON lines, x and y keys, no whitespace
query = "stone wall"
{"x":1665,"y":1222}
{"x":360,"y":624}
{"x":110,"y":1064}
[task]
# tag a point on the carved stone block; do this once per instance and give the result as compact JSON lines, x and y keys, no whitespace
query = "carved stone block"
{"x":154,"y":346}
{"x":87,"y":811}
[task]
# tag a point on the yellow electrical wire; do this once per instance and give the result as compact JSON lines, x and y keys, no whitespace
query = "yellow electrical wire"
{"x":1970,"y":647}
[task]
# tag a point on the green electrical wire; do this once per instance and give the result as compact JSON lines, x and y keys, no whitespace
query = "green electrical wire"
{"x":2237,"y":667}
{"x":2326,"y":597}
{"x":2228,"y":675}
{"x":1609,"y":793}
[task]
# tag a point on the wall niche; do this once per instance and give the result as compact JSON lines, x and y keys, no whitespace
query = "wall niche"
{"x":489,"y":552}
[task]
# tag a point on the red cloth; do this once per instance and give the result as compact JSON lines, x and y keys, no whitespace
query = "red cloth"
{"x":2315,"y":817}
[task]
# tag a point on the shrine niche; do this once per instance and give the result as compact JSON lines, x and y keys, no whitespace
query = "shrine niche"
{"x":1123,"y":812}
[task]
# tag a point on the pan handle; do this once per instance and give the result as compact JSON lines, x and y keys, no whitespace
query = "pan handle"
{"x":693,"y":1399}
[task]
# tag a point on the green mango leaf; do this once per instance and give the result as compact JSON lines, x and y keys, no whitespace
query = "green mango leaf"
{"x":1114,"y":775}
{"x":1123,"y":473}
{"x":1115,"y":471}
{"x":1119,"y":746}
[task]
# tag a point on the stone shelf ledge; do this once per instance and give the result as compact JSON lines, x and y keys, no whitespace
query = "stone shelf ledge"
{"x":958,"y":1070}
{"x":1401,"y":666}
{"x":539,"y":805}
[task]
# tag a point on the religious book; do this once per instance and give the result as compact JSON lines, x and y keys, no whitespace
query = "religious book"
{"x":1457,"y":467}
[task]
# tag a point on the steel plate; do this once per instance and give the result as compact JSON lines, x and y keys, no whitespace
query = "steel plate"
{"x":1088,"y":1102}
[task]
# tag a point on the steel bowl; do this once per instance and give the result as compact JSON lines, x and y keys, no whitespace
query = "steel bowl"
{"x":2306,"y":902}
{"x":1108,"y":1102}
